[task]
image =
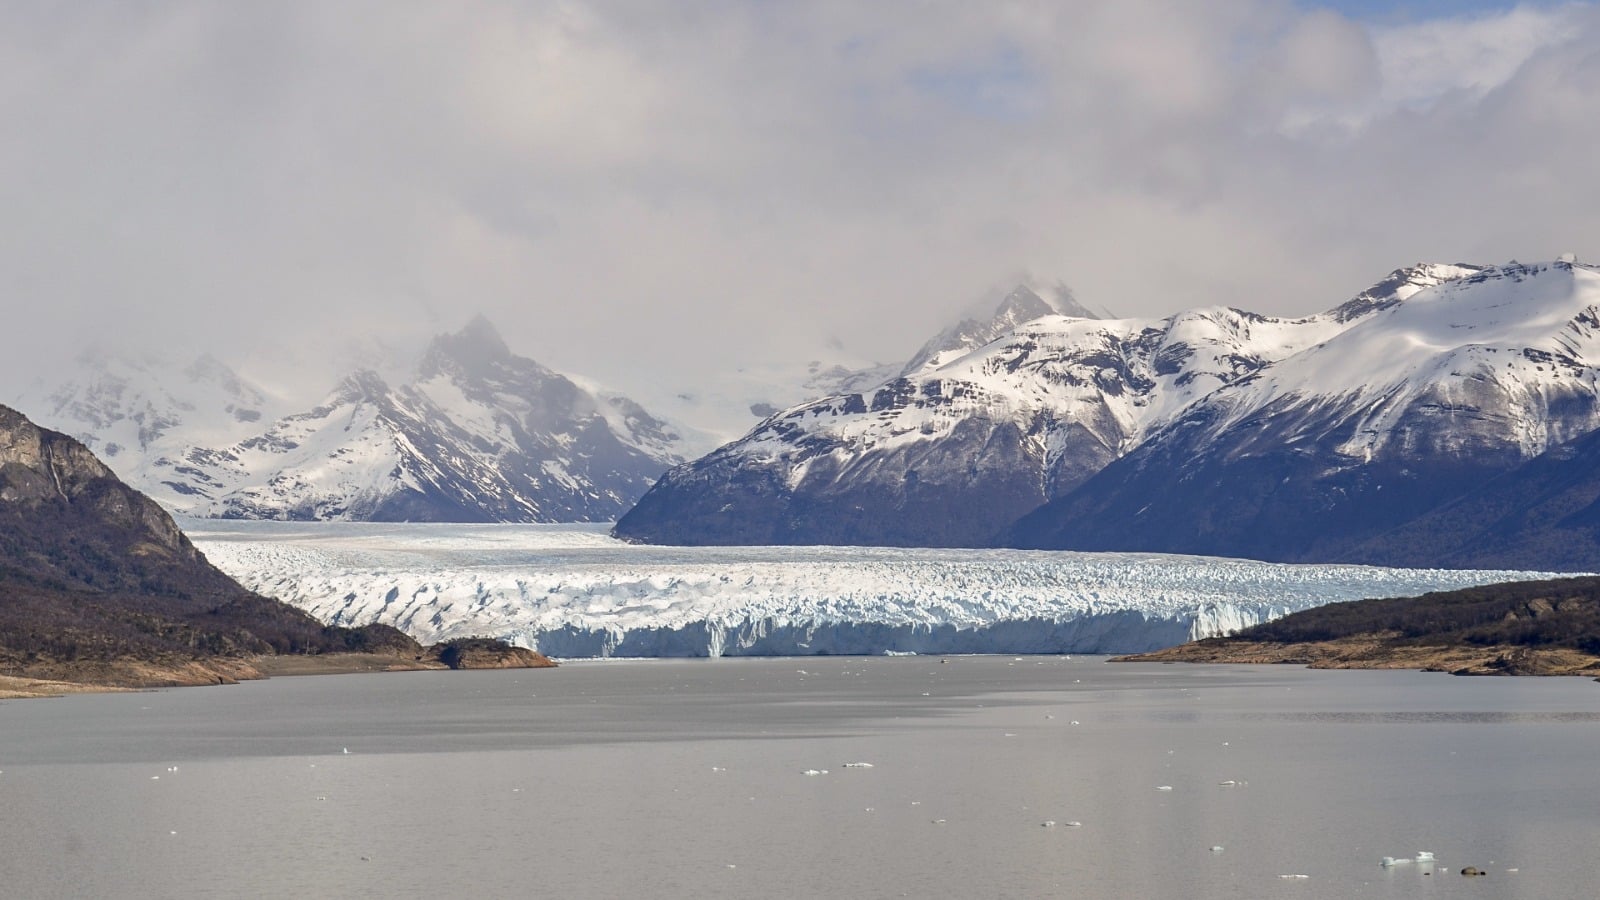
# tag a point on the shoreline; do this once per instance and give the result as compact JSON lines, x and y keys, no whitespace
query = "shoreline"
{"x":1382,"y":652}
{"x":136,"y":675}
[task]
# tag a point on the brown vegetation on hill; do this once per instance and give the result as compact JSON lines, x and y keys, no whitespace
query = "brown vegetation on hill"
{"x":1518,"y":628}
{"x":98,"y":584}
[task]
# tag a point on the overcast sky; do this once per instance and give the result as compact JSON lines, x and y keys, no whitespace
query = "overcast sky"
{"x":645,"y":191}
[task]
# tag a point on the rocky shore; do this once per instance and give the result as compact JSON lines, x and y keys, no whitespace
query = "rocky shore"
{"x":1383,"y":651}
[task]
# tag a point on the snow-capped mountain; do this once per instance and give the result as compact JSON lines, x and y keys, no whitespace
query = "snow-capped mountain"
{"x":981,"y":326}
{"x":141,"y":413}
{"x":468,"y":432}
{"x":1414,"y":404}
{"x":972,"y":437}
{"x":713,"y":412}
{"x":478,"y":434}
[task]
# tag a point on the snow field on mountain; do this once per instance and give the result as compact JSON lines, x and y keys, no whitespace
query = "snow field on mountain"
{"x":572,"y":591}
{"x":1529,"y":334}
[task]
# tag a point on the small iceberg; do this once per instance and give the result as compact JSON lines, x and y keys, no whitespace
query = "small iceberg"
{"x":1423,"y":856}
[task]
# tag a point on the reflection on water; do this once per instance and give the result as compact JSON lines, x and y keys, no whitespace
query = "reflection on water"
{"x":1425,"y":717}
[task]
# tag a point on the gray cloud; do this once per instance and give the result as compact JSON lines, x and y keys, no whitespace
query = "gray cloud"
{"x":643,"y":191}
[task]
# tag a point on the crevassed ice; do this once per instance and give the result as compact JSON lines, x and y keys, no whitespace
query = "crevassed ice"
{"x":571,"y":591}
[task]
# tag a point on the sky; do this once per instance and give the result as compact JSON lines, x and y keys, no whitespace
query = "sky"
{"x":654,"y":193}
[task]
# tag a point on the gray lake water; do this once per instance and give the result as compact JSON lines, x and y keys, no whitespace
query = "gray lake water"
{"x":687,"y":779}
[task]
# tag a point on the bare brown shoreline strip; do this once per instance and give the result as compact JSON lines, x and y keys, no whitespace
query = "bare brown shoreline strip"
{"x":1382,"y":651}
{"x":135,"y":675}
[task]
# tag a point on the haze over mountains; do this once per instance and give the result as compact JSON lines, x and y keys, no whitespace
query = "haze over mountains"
{"x":1213,"y":431}
{"x":1442,"y":416}
{"x":472,"y":433}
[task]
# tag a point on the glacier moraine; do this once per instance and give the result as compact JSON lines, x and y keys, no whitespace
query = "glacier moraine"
{"x":572,"y":591}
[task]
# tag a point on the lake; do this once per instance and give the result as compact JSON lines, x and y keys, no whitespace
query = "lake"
{"x":806,"y":777}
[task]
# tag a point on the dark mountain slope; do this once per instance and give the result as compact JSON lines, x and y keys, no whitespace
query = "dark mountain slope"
{"x":1543,"y":514}
{"x":96,"y":581}
{"x":1518,"y":628}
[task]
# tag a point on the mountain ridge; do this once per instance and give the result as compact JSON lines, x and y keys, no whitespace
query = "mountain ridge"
{"x":469,"y":432}
{"x":957,"y":451}
{"x":99,"y":585}
{"x":1416,"y":404}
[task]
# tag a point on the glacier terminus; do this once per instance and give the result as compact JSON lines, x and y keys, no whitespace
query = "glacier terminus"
{"x":572,"y":591}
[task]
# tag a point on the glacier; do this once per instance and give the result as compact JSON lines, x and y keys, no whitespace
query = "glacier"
{"x":572,"y":591}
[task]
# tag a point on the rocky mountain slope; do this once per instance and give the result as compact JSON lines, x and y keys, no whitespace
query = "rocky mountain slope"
{"x":1417,"y":403}
{"x":1546,"y":510}
{"x":98,"y":583}
{"x":973,"y":436}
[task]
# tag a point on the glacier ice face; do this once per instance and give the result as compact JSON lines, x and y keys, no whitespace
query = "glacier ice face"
{"x":572,"y":591}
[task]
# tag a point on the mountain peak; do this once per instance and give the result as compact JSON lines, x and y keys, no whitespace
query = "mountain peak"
{"x":478,"y":338}
{"x":1031,"y":299}
{"x":989,"y":320}
{"x":1399,"y":286}
{"x":477,"y":349}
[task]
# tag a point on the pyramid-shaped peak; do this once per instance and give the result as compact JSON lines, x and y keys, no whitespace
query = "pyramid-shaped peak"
{"x":477,"y":340}
{"x":480,"y":333}
{"x":994,"y":317}
{"x":1029,"y":300}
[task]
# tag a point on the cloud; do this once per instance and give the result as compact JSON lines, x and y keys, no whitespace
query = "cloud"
{"x":648,"y":193}
{"x":1424,"y":62}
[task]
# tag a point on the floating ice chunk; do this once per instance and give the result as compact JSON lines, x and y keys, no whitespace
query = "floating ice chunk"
{"x":1073,"y":824}
{"x":1217,"y":849}
{"x":1164,"y":787}
{"x":1294,"y":876}
{"x":1074,"y":721}
{"x":1048,"y":823}
{"x":938,"y":821}
{"x":858,"y":765}
{"x":718,"y":769}
{"x":814,"y":772}
{"x":1424,"y":856}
